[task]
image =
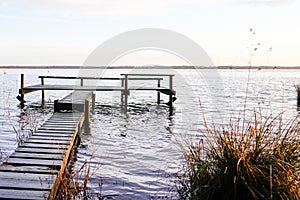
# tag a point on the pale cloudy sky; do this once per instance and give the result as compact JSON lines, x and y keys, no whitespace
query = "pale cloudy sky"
{"x":65,"y":32}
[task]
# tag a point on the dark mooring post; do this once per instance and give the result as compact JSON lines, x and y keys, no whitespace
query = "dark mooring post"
{"x":298,"y":95}
{"x":126,"y":93}
{"x":43,"y":93}
{"x":158,"y":93}
{"x":171,"y":88}
{"x":22,"y":92}
{"x":93,"y":102}
{"x":87,"y":116}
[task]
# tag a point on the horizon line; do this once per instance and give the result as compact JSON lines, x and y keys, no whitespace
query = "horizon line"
{"x":145,"y":67}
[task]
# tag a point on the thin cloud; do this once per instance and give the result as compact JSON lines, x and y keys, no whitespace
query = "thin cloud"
{"x":268,"y":2}
{"x":79,"y":8}
{"x":99,"y":8}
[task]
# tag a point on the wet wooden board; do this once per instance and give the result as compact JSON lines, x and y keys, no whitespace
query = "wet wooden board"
{"x":34,"y":162}
{"x":49,"y":141}
{"x":73,"y":87}
{"x":53,"y":134}
{"x":55,"y":128}
{"x":23,"y":194}
{"x":47,"y":137}
{"x":39,"y":150}
{"x":54,"y":131}
{"x":28,"y":169}
{"x":45,"y":146}
{"x":37,"y":156}
{"x":58,"y":123}
{"x":31,"y":184}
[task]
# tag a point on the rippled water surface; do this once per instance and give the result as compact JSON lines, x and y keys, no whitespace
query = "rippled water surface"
{"x":136,"y":155}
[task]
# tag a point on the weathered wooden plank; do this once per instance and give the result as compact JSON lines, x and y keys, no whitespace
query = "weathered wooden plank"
{"x":37,"y":184}
{"x":56,"y":129}
{"x":73,"y":87}
{"x":40,"y":150}
{"x":26,"y":176}
{"x":59,"y":127}
{"x":72,"y":116}
{"x":65,"y":114}
{"x":60,"y":120}
{"x":58,"y":123}
{"x":54,"y":135}
{"x":28,"y":169}
{"x":45,"y":146}
{"x":23,"y":194}
{"x":47,"y":137}
{"x":61,"y":123}
{"x":49,"y":141}
{"x":37,"y":156}
{"x":34,"y":162}
{"x":66,"y":118}
{"x":98,"y":78}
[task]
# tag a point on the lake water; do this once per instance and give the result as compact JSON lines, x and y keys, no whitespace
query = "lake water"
{"x":136,"y":155}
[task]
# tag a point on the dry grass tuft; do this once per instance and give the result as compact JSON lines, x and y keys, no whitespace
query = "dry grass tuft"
{"x":259,"y":161}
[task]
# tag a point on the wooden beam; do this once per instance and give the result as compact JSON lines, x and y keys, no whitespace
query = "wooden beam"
{"x":43,"y":92}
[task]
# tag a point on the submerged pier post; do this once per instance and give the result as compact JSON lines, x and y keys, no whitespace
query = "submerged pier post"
{"x":87,"y":115}
{"x":171,"y":88}
{"x":43,"y":92}
{"x":22,"y":92}
{"x":122,"y":94}
{"x":93,"y":101}
{"x":158,"y":93}
{"x":298,"y":95}
{"x":126,"y":92}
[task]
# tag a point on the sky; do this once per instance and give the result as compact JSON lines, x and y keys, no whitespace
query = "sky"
{"x":65,"y":32}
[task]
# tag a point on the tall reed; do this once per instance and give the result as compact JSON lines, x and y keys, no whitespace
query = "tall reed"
{"x":260,"y":162}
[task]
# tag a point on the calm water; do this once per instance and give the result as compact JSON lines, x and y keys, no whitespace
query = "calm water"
{"x":135,"y":156}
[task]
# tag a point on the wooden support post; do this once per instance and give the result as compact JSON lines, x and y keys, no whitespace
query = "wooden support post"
{"x":22,"y":87}
{"x":56,"y":109}
{"x":126,"y":92}
{"x":122,"y":94}
{"x":171,"y":89}
{"x":93,"y":101}
{"x":158,"y":93}
{"x":87,"y":115}
{"x":81,"y":82}
{"x":43,"y":93}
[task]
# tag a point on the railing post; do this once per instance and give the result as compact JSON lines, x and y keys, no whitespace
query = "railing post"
{"x":122,"y":94}
{"x":56,"y":109}
{"x":93,"y":101}
{"x":22,"y":92}
{"x":87,"y":115}
{"x":81,"y":82}
{"x":171,"y":88}
{"x":126,"y":92}
{"x":158,"y":93}
{"x":43,"y":92}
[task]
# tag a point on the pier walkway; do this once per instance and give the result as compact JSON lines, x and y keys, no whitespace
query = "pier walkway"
{"x":36,"y":168}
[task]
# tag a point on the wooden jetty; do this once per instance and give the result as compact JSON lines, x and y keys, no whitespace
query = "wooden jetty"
{"x":124,"y":87}
{"x":36,"y":168}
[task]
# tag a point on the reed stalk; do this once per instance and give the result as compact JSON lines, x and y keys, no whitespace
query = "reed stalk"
{"x":262,"y":162}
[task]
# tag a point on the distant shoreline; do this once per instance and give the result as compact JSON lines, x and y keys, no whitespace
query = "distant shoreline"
{"x":150,"y":67}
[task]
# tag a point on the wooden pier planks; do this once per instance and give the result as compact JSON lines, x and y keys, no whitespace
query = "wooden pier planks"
{"x":35,"y":169}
